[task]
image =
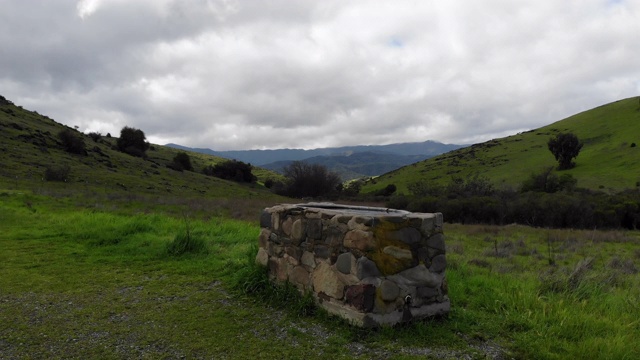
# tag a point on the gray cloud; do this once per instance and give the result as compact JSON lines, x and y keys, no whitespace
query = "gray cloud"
{"x":230,"y":74}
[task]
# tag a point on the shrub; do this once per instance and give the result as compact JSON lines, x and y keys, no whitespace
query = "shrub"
{"x":72,"y":142}
{"x":95,"y":136}
{"x":133,"y":142}
{"x":352,"y":188}
{"x":57,"y":173}
{"x":565,"y":147}
{"x":181,"y":162}
{"x":269,"y":183}
{"x":309,"y":180}
{"x":387,"y":191}
{"x":231,"y":170}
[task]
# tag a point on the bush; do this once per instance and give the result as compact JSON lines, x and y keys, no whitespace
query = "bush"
{"x":181,"y":162}
{"x":547,"y":181}
{"x":387,"y":191}
{"x":95,"y":136}
{"x":231,"y":170}
{"x":72,"y":142}
{"x":57,"y":173}
{"x":269,"y":183}
{"x":565,"y":147}
{"x":133,"y":142}
{"x":309,"y":180}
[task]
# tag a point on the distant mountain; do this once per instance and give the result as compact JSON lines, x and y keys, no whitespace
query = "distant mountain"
{"x":355,"y":165}
{"x":349,"y":161}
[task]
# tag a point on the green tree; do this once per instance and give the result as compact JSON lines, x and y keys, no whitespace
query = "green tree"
{"x":133,"y":142}
{"x":309,"y":180}
{"x":565,"y":147}
{"x":233,"y":170}
{"x":72,"y":142}
{"x":181,"y":162}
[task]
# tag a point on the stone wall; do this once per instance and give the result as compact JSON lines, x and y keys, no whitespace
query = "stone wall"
{"x":371,"y":266}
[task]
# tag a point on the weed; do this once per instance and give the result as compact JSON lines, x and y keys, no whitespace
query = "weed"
{"x":57,"y":173}
{"x":626,"y":266}
{"x":184,"y":243}
{"x":252,"y":279}
{"x":480,"y":263}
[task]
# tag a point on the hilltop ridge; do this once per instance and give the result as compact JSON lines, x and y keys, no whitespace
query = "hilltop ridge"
{"x":609,"y":160}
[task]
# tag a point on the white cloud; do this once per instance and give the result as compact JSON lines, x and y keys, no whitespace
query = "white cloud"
{"x":231,"y":74}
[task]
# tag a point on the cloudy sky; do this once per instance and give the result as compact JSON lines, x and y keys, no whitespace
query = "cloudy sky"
{"x":264,"y":74}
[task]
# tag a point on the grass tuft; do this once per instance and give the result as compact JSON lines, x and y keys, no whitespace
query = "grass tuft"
{"x":253,"y":280}
{"x":187,"y":243}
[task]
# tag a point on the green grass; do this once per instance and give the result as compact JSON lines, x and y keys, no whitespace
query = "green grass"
{"x":607,"y":161}
{"x":83,"y":283}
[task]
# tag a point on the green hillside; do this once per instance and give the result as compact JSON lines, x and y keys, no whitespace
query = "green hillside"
{"x":29,"y":143}
{"x":609,"y":159}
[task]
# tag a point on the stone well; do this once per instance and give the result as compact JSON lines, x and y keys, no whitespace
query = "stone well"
{"x":372,"y":266}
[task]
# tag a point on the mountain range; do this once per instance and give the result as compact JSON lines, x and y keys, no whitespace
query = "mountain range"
{"x":349,"y":162}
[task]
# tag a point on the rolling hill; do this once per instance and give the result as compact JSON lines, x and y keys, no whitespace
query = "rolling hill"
{"x":609,"y":160}
{"x":355,"y":165}
{"x":29,"y":144}
{"x":262,"y":157}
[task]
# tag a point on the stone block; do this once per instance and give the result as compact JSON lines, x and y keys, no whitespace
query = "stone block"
{"x":427,"y":292}
{"x":322,"y":251}
{"x":436,"y":241}
{"x":263,"y":239}
{"x":398,"y":253}
{"x":438,"y":264}
{"x":407,"y":235}
{"x":263,"y":257}
{"x":333,"y":236}
{"x":300,"y":277}
{"x":366,"y":268}
{"x":308,"y":259}
{"x":417,"y":276}
{"x":326,"y":280}
{"x":265,"y":219}
{"x":287,"y":226}
{"x":275,"y":221}
{"x":359,"y":239}
{"x":314,"y":229}
{"x":389,"y":291}
{"x":344,"y":263}
{"x":361,"y":297}
{"x":298,"y":231}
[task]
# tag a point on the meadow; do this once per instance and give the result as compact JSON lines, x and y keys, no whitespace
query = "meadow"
{"x":139,"y":277}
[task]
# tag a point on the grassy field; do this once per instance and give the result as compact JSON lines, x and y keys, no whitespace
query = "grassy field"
{"x":79,"y":281}
{"x":609,"y":160}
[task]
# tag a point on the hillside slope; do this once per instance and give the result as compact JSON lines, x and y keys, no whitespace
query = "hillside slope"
{"x":609,"y":159}
{"x":29,"y":144}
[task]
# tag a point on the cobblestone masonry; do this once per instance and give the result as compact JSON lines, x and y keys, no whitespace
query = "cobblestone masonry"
{"x":371,"y":266}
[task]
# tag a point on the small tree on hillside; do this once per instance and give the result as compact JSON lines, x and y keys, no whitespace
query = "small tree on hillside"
{"x":181,"y":162}
{"x":132,"y":141}
{"x":309,"y":180}
{"x":72,"y":142}
{"x":565,"y":147}
{"x":231,"y":170}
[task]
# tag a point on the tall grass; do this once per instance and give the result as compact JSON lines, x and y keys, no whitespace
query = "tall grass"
{"x":69,"y":274}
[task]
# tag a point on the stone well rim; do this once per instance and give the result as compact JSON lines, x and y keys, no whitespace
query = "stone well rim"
{"x":353,"y":209}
